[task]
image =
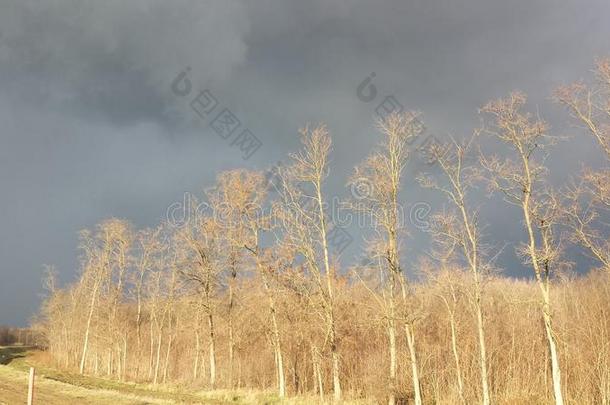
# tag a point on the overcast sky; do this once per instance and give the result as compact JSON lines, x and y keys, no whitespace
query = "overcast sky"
{"x":90,"y":127}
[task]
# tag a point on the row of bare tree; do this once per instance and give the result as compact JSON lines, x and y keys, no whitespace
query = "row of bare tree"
{"x":17,"y":336}
{"x":251,"y":294}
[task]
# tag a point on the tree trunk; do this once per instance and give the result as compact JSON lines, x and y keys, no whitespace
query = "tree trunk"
{"x":197,"y":354}
{"x":231,"y":331}
{"x":158,"y":359}
{"x":414,"y":367}
{"x":482,"y":354}
{"x":336,"y":367}
{"x":280,"y":367}
{"x":543,"y":283}
{"x":212,"y":349}
{"x":151,"y":361}
{"x":119,"y":360}
{"x":555,"y":369}
{"x":411,"y":345}
{"x":317,"y":373}
{"x":88,"y":328}
{"x":277,"y":342}
{"x":392,"y":348}
{"x":167,"y":353}
{"x":124,"y":356}
{"x":456,"y":357}
{"x":331,"y":316}
{"x":109,"y":365}
{"x":231,"y":350}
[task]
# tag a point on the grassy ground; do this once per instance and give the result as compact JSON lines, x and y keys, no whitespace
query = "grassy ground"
{"x":55,"y":387}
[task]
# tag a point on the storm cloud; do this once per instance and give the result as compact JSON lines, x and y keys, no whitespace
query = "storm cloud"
{"x":92,"y":129}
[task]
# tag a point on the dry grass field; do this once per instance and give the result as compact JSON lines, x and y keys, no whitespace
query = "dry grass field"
{"x":54,"y":387}
{"x":57,"y":388}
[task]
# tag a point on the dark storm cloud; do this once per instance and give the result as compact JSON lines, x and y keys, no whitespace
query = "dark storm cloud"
{"x":91,"y":129}
{"x":112,"y":59}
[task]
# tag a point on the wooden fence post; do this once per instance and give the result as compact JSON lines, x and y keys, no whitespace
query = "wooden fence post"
{"x":31,"y":387}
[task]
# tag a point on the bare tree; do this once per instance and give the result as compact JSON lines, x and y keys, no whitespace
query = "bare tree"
{"x":121,"y":236}
{"x":148,"y":249}
{"x":462,"y":230}
{"x":306,"y":225}
{"x":379,"y":178}
{"x":229,"y":200}
{"x":519,"y":181}
{"x":161,"y":289}
{"x":247,"y":191}
{"x":448,"y":286}
{"x":590,"y":105}
{"x":92,"y":281}
{"x":102,"y":252}
{"x":589,"y":198}
{"x":199,"y":257}
{"x":260,"y":293}
{"x":174,"y":320}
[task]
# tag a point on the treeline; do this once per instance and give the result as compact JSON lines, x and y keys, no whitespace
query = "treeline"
{"x":17,"y":336}
{"x":249,"y":291}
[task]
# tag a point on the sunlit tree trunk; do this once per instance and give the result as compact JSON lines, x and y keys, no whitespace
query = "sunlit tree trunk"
{"x":151,"y":354}
{"x":518,"y":180}
{"x":277,"y":343}
{"x":167,"y":356}
{"x":414,"y":365}
{"x":212,"y":350}
{"x":392,"y":346}
{"x":332,"y":336}
{"x":88,"y":327}
{"x":231,"y":340}
{"x":317,"y":373}
{"x":197,"y":355}
{"x":543,"y":283}
{"x":158,"y":357}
